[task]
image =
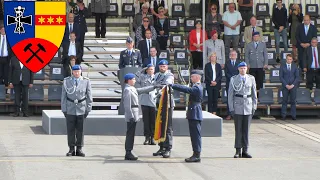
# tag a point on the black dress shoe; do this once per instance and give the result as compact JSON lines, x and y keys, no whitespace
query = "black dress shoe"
{"x":97,"y":36}
{"x":294,"y":118}
{"x":130,"y":156}
{"x":103,"y":36}
{"x":194,"y":158}
{"x":152,"y":142}
{"x":245,"y":154}
{"x":71,"y":152}
{"x":238,"y":153}
{"x":283,"y":118}
{"x":25,"y":115}
{"x":146,"y":141}
{"x":159,"y":152}
{"x":166,"y":154}
{"x":80,"y":153}
{"x":16,"y":114}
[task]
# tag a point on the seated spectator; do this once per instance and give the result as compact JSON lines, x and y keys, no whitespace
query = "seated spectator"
{"x":162,"y":28}
{"x":138,"y":5}
{"x":68,"y":66}
{"x":231,"y":20}
{"x":196,"y":45}
{"x":155,"y":4}
{"x":71,"y":27}
{"x":146,"y":44}
{"x":295,"y":19}
{"x":213,"y":76}
{"x":249,"y":30}
{"x":213,"y":21}
{"x":141,"y":31}
{"x":215,"y":45}
{"x":72,"y":48}
{"x":137,"y":21}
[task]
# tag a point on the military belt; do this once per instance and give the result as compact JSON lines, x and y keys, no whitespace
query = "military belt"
{"x":243,"y":96}
{"x":76,"y":100}
{"x":134,"y":106}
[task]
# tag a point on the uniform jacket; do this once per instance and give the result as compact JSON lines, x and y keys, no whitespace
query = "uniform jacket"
{"x":209,"y":73}
{"x":80,"y":19}
{"x":231,"y":70}
{"x":15,"y":71}
{"x":73,"y":92}
{"x":248,"y":33}
{"x":100,"y":6}
{"x":194,"y":111}
{"x":218,"y":48}
{"x":144,"y":80}
{"x":289,"y":77}
{"x":131,"y":101}
{"x":165,"y":79}
{"x":256,"y":58}
{"x":193,"y":39}
{"x":126,"y":59}
{"x":242,"y":105}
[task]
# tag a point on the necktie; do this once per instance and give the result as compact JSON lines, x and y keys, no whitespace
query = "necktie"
{"x":214,"y":43}
{"x":71,"y":29}
{"x":2,"y":46}
{"x":253,"y":29}
{"x":148,"y":47}
{"x":129,"y":52}
{"x":306,"y":29}
{"x":154,"y":61}
{"x":244,"y":80}
{"x":289,"y":67}
{"x":76,"y":83}
{"x":256,"y":45}
{"x":233,"y":63}
{"x":315,"y":58}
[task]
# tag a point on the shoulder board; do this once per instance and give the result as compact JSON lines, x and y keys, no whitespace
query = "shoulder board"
{"x":136,"y":49}
{"x":249,"y":75}
{"x":67,"y":77}
{"x":86,"y":78}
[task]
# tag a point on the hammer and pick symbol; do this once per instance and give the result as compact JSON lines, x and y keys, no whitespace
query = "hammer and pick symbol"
{"x":34,"y":54}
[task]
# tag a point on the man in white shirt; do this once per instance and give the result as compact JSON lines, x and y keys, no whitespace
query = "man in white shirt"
{"x":231,"y":20}
{"x":72,"y":48}
{"x":5,"y":55}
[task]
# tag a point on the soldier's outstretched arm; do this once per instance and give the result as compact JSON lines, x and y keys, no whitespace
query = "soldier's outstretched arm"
{"x":145,"y":89}
{"x":185,"y":89}
{"x":89,"y":97}
{"x":230,"y":96}
{"x":64,"y":97}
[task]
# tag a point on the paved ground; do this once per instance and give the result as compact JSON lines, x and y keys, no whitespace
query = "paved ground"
{"x":283,"y":150}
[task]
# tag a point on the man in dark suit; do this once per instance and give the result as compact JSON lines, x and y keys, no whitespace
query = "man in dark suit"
{"x":71,"y":27}
{"x":153,"y":59}
{"x":5,"y":55}
{"x":304,"y":33}
{"x":194,"y":112}
{"x":72,"y":48}
{"x":130,"y":56}
{"x":231,"y":69}
{"x":289,"y":77}
{"x":312,"y":66}
{"x":20,"y":79}
{"x":146,"y":44}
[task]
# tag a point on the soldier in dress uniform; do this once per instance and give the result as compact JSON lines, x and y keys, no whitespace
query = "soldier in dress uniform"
{"x":130,"y":57}
{"x":80,"y":18}
{"x":131,"y":109}
{"x":194,"y":112}
{"x":164,"y":77}
{"x":242,"y":101}
{"x":76,"y":103}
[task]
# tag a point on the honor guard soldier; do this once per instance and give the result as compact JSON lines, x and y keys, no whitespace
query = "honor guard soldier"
{"x":130,"y":57}
{"x":131,"y":110}
{"x":76,"y":103}
{"x":194,"y":112}
{"x":164,"y":77}
{"x":81,"y":12}
{"x":242,"y":101}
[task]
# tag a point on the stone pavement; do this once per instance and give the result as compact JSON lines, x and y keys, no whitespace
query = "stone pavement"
{"x":282,"y":150}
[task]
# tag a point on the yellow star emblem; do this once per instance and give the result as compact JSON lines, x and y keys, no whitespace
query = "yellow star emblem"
{"x":50,"y":20}
{"x":41,"y":20}
{"x":59,"y":20}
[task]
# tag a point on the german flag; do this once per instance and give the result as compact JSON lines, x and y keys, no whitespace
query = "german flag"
{"x":162,"y":116}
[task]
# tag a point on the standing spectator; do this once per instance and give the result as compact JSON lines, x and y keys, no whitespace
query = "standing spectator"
{"x":5,"y":55}
{"x":162,"y":28}
{"x":20,"y":79}
{"x":71,"y":27}
{"x":146,"y":44}
{"x":249,"y":30}
{"x":208,"y":4}
{"x":256,"y":57}
{"x":152,"y":59}
{"x":196,"y":45}
{"x":138,"y":18}
{"x":304,"y":33}
{"x":289,"y":77}
{"x":280,"y":20}
{"x":213,"y":21}
{"x":138,"y":5}
{"x":231,"y":20}
{"x":155,"y":4}
{"x":312,"y":66}
{"x":295,"y":19}
{"x":99,"y":9}
{"x":245,"y":8}
{"x":80,"y":19}
{"x":72,"y":48}
{"x":213,"y":76}
{"x":231,"y":69}
{"x":141,"y":31}
{"x":215,"y":45}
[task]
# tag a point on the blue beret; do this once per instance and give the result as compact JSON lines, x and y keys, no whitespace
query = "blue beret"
{"x":255,"y":33}
{"x":199,"y":72}
{"x":129,"y":76}
{"x":129,"y":40}
{"x":150,"y":65}
{"x":163,"y":62}
{"x":76,"y":67}
{"x":242,"y":64}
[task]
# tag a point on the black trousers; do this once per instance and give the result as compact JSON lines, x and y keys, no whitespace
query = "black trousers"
{"x":75,"y":130}
{"x":167,"y":144}
{"x":293,"y":94}
{"x":195,"y":134}
{"x":100,"y":22}
{"x":163,"y":42}
{"x":213,"y":95}
{"x":197,"y":59}
{"x":4,"y":73}
{"x":149,"y":119}
{"x":21,"y":92}
{"x":302,"y":53}
{"x":130,"y":134}
{"x":258,"y":73}
{"x":246,"y":15}
{"x":313,"y":76}
{"x":242,"y":125}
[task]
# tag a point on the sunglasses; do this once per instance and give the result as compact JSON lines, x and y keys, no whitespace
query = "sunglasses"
{"x":145,"y":21}
{"x":161,"y":11}
{"x":213,"y":8}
